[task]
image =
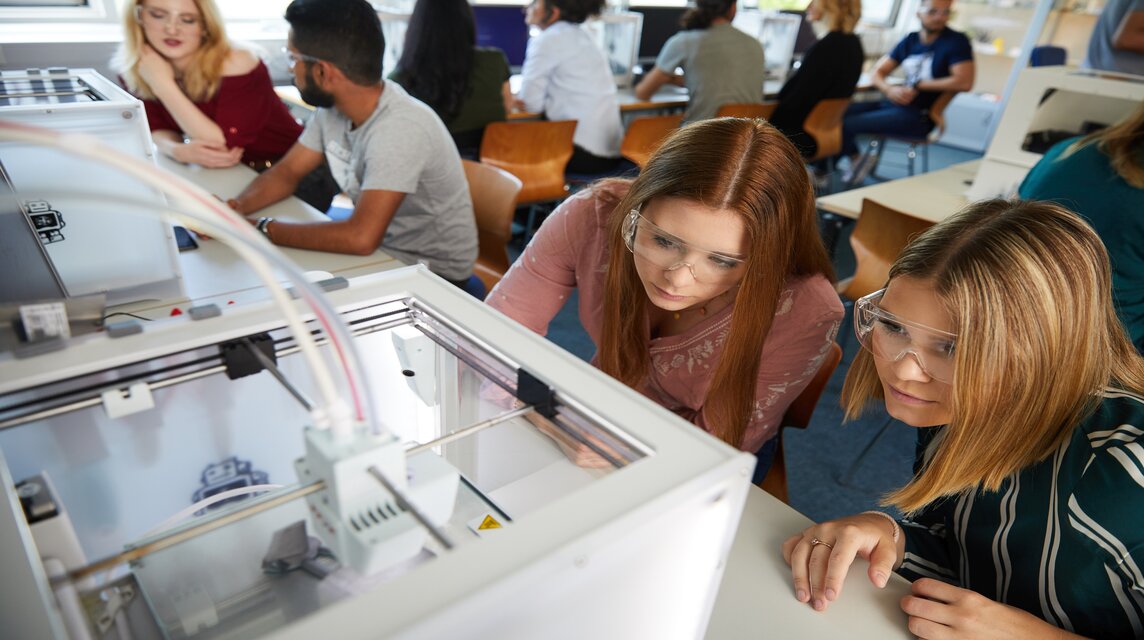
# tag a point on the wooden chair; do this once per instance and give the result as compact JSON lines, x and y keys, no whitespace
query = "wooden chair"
{"x":824,"y":124}
{"x":644,"y":135}
{"x":494,"y":192}
{"x":878,"y":237}
{"x":797,"y":416}
{"x":878,"y":143}
{"x":536,"y":152}
{"x":747,"y":110}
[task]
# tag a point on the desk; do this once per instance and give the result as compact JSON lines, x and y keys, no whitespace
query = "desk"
{"x":930,"y":196}
{"x":756,"y":598}
{"x":214,"y":273}
{"x":668,"y":98}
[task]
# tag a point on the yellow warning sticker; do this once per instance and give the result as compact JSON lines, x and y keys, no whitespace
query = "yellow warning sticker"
{"x":489,"y":523}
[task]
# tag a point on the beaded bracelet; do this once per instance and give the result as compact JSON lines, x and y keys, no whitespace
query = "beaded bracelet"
{"x":894,"y":523}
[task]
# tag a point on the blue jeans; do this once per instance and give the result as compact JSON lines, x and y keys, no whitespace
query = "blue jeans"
{"x":765,"y":455}
{"x":883,"y":117}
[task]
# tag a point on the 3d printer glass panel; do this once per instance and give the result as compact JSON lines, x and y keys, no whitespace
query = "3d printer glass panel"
{"x":122,"y":481}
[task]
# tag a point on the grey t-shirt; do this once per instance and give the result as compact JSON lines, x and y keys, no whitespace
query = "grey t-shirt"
{"x":405,"y":147}
{"x":721,"y":65}
{"x":1101,"y":54}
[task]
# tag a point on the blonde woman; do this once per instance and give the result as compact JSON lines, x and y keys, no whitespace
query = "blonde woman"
{"x":830,"y":69}
{"x":1101,"y":177}
{"x":208,"y":102}
{"x":1024,"y":517}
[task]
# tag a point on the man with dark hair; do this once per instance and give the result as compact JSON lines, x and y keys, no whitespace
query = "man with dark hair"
{"x":935,"y":59}
{"x":390,"y":153}
{"x":567,"y":77}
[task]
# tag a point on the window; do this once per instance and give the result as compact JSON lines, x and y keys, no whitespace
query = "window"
{"x":43,"y":3}
{"x":880,"y":12}
{"x":253,"y":9}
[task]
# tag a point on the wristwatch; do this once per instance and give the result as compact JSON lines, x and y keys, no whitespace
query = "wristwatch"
{"x":263,"y":225}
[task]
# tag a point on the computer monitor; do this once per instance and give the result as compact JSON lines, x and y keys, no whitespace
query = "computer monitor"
{"x":806,"y":36}
{"x":659,"y":24}
{"x":503,"y":27}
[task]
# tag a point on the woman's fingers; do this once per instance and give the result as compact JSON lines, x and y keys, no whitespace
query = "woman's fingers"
{"x":882,"y":561}
{"x":799,"y":566}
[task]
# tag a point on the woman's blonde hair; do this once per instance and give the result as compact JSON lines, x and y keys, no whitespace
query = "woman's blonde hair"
{"x":745,"y":166}
{"x":1123,"y":143}
{"x":1028,"y":285}
{"x":841,"y":15}
{"x":202,"y":77}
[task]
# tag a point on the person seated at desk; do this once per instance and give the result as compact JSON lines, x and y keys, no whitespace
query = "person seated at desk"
{"x":721,"y":64}
{"x":1101,"y":177}
{"x":441,"y":66}
{"x":997,"y":329}
{"x":566,"y":77}
{"x":830,"y":69}
{"x":935,"y":60}
{"x":208,"y":102}
{"x":1117,"y":41}
{"x":389,"y":152}
{"x":703,"y":282}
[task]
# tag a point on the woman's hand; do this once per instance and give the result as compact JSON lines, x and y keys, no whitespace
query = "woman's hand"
{"x":820,"y":556}
{"x":579,"y":453}
{"x":155,"y":70}
{"x":207,"y":154}
{"x":940,"y":611}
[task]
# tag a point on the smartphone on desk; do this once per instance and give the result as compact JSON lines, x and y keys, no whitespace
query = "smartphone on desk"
{"x":185,"y":240}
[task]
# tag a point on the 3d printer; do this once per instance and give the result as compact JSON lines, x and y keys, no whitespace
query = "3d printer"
{"x":453,"y":512}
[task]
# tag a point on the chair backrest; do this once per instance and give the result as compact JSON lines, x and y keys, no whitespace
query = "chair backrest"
{"x":644,"y":135}
{"x":534,"y":151}
{"x":937,"y":113}
{"x":878,"y":237}
{"x":1048,"y":56}
{"x":494,"y":193}
{"x":798,"y":416}
{"x":747,"y":110}
{"x":824,"y":124}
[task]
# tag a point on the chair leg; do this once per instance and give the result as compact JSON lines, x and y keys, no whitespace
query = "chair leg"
{"x":846,"y":479}
{"x":925,"y":158}
{"x":911,"y":155}
{"x":830,"y":226}
{"x":879,"y":147}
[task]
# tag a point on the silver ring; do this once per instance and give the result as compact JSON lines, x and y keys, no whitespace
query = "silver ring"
{"x":816,"y":541}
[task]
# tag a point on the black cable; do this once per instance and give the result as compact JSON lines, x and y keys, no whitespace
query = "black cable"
{"x":123,"y":313}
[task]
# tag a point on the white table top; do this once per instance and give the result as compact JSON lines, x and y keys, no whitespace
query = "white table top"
{"x":214,"y":273}
{"x":930,"y":196}
{"x":756,"y":598}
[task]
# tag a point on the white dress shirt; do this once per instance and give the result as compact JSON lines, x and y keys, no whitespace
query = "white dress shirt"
{"x":567,"y":77}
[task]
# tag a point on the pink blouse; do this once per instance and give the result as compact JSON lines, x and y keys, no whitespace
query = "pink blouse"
{"x":571,"y":251}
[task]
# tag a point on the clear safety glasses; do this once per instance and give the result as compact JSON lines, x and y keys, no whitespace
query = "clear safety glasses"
{"x":159,"y":18}
{"x":668,"y":252}
{"x":891,"y":338}
{"x":293,"y":58}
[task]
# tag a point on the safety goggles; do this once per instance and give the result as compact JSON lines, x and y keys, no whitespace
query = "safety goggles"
{"x":644,"y":239}
{"x":891,"y":338}
{"x":293,"y":58}
{"x":160,"y":18}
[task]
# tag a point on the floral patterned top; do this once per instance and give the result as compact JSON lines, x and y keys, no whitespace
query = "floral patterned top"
{"x":571,"y":251}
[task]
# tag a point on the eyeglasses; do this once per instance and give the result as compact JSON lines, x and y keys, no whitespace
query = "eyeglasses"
{"x":890,"y":338}
{"x":937,"y":12}
{"x":160,"y":18}
{"x":293,"y":58}
{"x":644,"y":239}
